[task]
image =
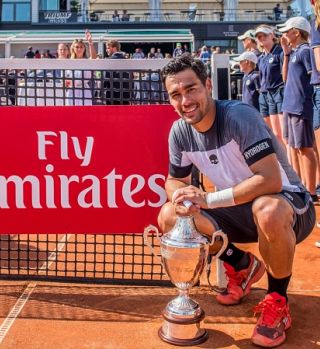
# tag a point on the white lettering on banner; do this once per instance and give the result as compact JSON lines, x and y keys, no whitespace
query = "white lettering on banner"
{"x":88,"y":197}
{"x":91,"y":190}
{"x":84,"y":155}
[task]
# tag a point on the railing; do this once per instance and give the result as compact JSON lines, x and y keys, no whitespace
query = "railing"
{"x":81,"y":82}
{"x":176,"y":15}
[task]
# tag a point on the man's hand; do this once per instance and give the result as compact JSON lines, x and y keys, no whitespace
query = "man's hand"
{"x":190,"y":193}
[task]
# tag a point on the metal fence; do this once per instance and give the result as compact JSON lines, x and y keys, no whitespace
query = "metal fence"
{"x":81,"y":82}
{"x":111,"y":258}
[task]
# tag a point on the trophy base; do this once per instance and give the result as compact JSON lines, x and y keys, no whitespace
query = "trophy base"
{"x":183,"y":332}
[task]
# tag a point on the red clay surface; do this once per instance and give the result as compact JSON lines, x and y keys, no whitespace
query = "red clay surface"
{"x":99,"y":316}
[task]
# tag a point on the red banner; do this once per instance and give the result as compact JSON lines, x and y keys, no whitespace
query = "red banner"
{"x":82,"y":169}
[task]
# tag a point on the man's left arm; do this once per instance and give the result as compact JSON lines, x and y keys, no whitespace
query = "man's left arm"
{"x":266,"y":180}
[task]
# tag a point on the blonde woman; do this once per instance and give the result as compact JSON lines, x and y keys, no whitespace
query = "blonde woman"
{"x":79,"y":90}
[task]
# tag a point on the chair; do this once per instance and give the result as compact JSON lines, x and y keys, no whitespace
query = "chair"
{"x":192,"y":12}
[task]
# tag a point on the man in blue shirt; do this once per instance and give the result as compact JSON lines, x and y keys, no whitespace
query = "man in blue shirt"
{"x":250,"y":81}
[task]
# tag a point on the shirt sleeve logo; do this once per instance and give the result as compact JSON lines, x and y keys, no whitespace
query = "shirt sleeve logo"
{"x":258,"y":151}
{"x":213,"y":159}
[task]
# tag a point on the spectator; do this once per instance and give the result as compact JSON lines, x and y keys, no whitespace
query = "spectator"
{"x":138,"y":54}
{"x":250,"y":81}
{"x":205,"y":55}
{"x":289,"y":12}
{"x":178,"y":51}
{"x":117,"y":85}
{"x":79,"y":89}
{"x":185,"y":48}
{"x":63,"y":51}
{"x":249,"y":42}
{"x":297,"y":102}
{"x":115,"y":16}
{"x":159,"y":54}
{"x":37,"y":54}
{"x":215,"y":50}
{"x":113,"y":50}
{"x":29,"y":53}
{"x":277,"y":12}
{"x":152,"y":52}
{"x":125,"y":16}
{"x":168,"y":56}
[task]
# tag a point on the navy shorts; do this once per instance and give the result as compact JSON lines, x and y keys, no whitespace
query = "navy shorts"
{"x":275,"y":99}
{"x":316,"y":108}
{"x":299,"y":131}
{"x":238,"y":222}
{"x":263,"y":104}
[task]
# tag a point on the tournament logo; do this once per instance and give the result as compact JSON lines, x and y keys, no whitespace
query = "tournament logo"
{"x":271,"y":60}
{"x":248,"y":82}
{"x":294,"y":58}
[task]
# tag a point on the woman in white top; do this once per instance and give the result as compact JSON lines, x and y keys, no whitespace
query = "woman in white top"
{"x":79,"y":90}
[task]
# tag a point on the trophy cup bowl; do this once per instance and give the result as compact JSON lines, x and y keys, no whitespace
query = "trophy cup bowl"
{"x":184,"y":254}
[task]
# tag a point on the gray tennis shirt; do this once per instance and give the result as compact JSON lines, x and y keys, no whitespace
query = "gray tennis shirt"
{"x":238,"y":138}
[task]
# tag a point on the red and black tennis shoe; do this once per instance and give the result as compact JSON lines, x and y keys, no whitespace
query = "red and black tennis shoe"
{"x":273,"y":322}
{"x":240,"y":282}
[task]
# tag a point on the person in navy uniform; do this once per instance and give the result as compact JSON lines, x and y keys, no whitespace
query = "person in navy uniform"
{"x":249,"y":42}
{"x":297,"y":102}
{"x":251,"y":81}
{"x":315,"y":81}
{"x":271,"y":92}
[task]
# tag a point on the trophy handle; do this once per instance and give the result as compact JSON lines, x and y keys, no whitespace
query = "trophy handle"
{"x":224,"y":244}
{"x":224,"y":237}
{"x":146,"y":232}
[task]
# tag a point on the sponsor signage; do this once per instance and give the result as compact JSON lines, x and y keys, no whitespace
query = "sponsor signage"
{"x":83,"y":169}
{"x":56,"y":17}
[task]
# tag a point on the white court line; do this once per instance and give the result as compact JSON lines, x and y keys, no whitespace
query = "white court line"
{"x":15,"y":311}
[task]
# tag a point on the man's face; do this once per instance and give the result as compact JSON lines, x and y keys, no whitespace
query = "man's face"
{"x":189,"y":97}
{"x":111,"y":50}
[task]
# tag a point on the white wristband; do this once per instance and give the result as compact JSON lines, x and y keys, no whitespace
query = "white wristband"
{"x":222,"y":198}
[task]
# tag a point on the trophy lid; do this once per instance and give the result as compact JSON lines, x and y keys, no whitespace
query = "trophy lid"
{"x":184,"y":234}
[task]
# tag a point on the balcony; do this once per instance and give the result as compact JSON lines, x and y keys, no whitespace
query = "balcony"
{"x":176,"y":15}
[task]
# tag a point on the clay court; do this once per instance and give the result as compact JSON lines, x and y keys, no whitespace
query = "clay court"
{"x":41,"y":314}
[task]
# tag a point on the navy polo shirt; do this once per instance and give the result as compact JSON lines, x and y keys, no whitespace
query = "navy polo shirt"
{"x":250,"y":89}
{"x":270,"y":69}
{"x":315,"y":42}
{"x":298,"y":91}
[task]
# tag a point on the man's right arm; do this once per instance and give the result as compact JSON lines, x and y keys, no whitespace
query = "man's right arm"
{"x":172,"y":184}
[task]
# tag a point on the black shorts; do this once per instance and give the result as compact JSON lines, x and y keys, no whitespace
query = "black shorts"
{"x":238,"y":223}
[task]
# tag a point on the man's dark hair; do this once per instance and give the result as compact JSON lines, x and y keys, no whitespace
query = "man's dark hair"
{"x":184,"y":62}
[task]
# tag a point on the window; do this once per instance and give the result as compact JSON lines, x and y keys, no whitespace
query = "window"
{"x":49,"y":5}
{"x":16,"y":11}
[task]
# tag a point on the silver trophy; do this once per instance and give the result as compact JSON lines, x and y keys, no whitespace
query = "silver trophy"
{"x":184,"y":254}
